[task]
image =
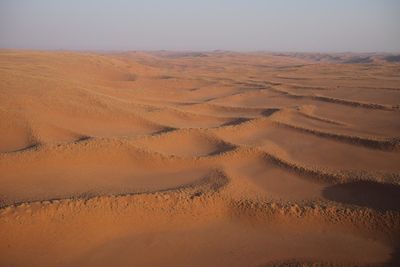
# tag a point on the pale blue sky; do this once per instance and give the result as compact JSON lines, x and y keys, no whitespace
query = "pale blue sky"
{"x":270,"y":25}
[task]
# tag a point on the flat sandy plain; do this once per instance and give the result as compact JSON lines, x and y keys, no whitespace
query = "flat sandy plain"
{"x":199,"y":159}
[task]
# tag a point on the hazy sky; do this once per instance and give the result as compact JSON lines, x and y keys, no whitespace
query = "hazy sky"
{"x":272,"y":25}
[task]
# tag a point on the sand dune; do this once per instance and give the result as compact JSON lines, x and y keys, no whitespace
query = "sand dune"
{"x":199,"y":159}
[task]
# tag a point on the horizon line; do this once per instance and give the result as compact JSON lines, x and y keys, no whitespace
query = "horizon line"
{"x":200,"y":51}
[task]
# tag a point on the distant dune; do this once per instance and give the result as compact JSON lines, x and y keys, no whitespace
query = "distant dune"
{"x":199,"y":159}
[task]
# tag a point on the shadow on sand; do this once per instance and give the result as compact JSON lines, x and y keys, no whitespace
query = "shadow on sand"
{"x":374,"y":195}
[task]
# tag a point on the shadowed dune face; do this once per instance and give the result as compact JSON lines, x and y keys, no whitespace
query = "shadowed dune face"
{"x":199,"y":159}
{"x":382,"y":197}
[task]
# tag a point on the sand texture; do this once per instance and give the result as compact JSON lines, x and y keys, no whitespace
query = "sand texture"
{"x":199,"y":159}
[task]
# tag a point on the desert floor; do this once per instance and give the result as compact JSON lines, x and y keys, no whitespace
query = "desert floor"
{"x":199,"y":159}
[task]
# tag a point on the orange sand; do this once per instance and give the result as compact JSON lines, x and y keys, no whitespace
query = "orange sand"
{"x":198,"y":159}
